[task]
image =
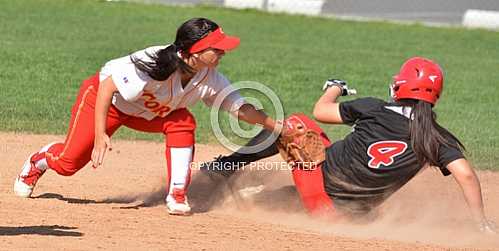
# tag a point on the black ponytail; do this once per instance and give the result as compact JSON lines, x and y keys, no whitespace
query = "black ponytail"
{"x":162,"y":64}
{"x":166,"y":61}
{"x":426,"y":134}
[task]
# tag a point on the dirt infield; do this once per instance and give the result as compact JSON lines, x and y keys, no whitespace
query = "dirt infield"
{"x":120,"y":207}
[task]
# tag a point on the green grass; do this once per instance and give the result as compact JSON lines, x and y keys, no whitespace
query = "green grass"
{"x":48,"y":47}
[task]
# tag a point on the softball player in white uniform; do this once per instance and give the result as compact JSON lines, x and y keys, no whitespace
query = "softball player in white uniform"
{"x":149,"y":91}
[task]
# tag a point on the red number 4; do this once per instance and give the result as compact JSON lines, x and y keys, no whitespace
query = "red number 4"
{"x":383,"y":152}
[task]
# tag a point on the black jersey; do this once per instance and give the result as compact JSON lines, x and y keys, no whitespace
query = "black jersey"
{"x":376,"y":159}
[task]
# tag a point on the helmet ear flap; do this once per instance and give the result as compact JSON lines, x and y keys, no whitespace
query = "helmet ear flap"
{"x":394,"y":87}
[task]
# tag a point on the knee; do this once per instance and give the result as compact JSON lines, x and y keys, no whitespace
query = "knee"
{"x":65,"y":168}
{"x":181,"y":119}
{"x":65,"y":172}
{"x":180,"y":129}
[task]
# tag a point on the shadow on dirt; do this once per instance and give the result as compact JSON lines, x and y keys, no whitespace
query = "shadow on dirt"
{"x":54,"y":230}
{"x":68,"y":200}
{"x":151,"y":199}
{"x":206,"y":193}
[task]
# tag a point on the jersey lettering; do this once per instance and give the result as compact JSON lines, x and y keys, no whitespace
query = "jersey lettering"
{"x":154,"y":106}
{"x":383,"y":152}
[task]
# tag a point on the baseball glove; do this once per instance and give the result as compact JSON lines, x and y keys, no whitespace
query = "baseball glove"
{"x":300,"y":146}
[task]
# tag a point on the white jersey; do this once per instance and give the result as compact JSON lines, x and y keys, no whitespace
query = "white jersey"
{"x":141,"y":96}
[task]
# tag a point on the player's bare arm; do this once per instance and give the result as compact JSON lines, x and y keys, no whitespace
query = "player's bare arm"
{"x":327,"y":109}
{"x":467,"y":179}
{"x":102,"y":141}
{"x":251,"y":115}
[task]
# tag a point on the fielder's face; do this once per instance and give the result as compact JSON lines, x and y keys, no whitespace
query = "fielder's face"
{"x":209,"y":57}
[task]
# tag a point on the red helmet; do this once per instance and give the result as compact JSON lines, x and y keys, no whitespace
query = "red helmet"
{"x":418,"y":78}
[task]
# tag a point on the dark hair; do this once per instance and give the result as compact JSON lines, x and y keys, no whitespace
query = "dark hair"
{"x":166,"y":61}
{"x":426,"y":134}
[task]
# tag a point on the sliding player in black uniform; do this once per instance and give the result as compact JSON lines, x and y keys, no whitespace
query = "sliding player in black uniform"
{"x":391,"y":142}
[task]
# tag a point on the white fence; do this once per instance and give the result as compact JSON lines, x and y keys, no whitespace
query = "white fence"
{"x":472,"y":13}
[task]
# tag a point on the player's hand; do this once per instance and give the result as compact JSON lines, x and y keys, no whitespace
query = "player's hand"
{"x":345,"y":90}
{"x":101,"y":145}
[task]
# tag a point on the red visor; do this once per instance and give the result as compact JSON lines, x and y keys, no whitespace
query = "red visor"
{"x":217,"y":40}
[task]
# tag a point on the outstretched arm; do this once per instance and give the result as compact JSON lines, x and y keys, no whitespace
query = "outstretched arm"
{"x":249,"y":114}
{"x":470,"y":185}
